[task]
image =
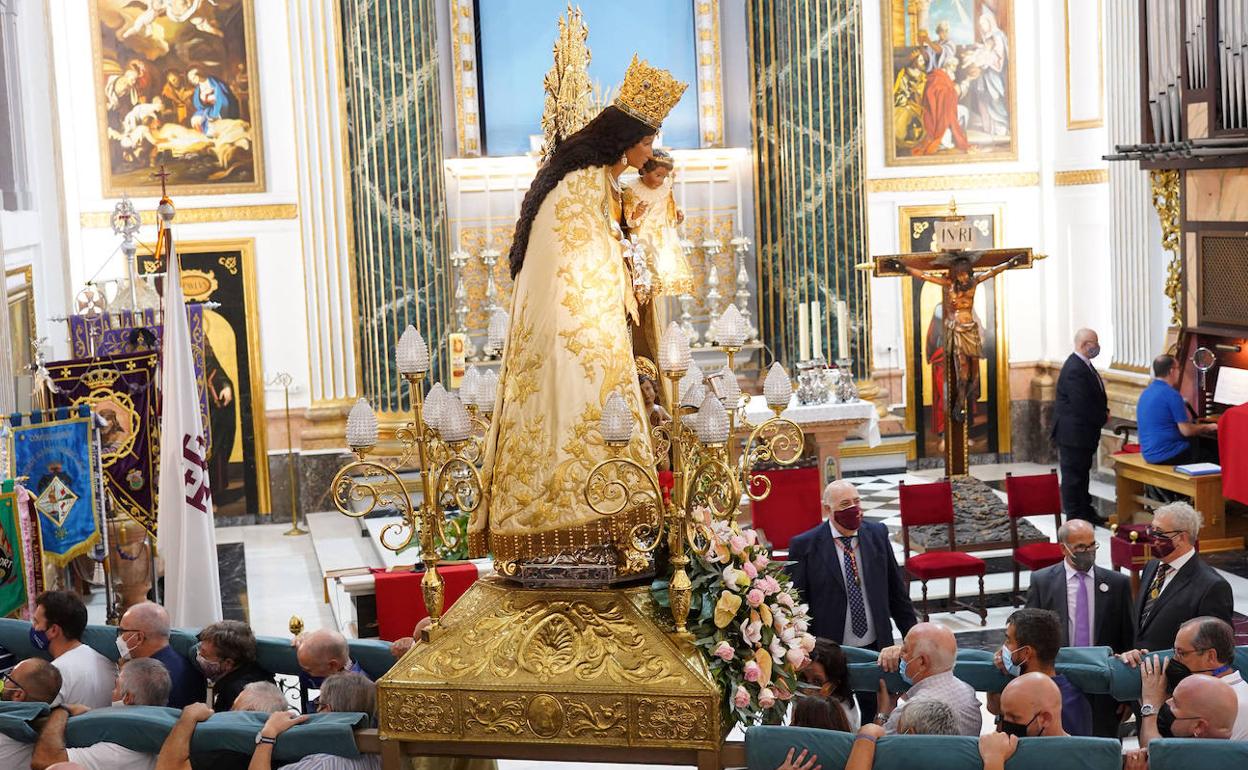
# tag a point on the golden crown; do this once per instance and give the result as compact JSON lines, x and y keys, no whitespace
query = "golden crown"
{"x":649,"y":93}
{"x":100,"y":378}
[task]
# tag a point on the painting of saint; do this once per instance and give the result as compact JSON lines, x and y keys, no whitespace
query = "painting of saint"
{"x":949,"y":66}
{"x":174,"y":90}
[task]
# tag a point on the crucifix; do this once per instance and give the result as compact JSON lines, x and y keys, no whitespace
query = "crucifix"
{"x":163,"y":175}
{"x":958,"y":270}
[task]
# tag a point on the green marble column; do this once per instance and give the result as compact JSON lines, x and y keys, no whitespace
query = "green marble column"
{"x":806,"y":68}
{"x":394,"y":146}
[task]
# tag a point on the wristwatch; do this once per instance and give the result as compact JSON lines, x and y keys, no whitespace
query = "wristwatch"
{"x":881,"y":719}
{"x":262,"y":738}
{"x":1148,"y":710}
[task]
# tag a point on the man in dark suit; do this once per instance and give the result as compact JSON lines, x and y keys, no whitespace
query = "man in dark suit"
{"x":1079,"y":413}
{"x":846,"y":571}
{"x":1176,"y":585}
{"x":1093,"y":603}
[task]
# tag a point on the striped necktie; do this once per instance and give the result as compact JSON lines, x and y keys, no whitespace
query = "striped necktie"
{"x":1154,"y":590}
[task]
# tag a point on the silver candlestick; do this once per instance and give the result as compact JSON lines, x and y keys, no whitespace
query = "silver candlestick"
{"x":846,"y":390}
{"x":489,"y":258}
{"x":686,"y":299}
{"x":459,"y":260}
{"x":741,"y":247}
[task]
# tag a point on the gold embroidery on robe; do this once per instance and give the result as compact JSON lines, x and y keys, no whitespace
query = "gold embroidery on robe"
{"x":569,"y":348}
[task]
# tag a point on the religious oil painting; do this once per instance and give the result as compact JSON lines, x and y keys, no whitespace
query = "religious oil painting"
{"x":926,"y":356}
{"x":176,"y":87}
{"x":949,"y":81}
{"x":224,"y":272}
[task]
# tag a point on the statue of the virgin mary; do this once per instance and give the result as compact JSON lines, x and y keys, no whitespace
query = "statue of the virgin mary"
{"x":579,"y":294}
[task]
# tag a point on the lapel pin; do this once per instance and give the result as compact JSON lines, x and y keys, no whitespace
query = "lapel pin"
{"x":1104,"y":588}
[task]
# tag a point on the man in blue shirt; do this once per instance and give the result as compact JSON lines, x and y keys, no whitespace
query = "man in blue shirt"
{"x":144,"y":633}
{"x":1166,"y":429}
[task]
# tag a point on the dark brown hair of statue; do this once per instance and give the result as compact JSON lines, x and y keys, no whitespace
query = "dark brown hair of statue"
{"x":600,"y":143}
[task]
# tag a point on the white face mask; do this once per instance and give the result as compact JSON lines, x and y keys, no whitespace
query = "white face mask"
{"x":123,"y":648}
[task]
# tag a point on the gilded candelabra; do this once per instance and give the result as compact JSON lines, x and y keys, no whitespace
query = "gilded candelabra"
{"x":445,"y":442}
{"x":709,"y":475}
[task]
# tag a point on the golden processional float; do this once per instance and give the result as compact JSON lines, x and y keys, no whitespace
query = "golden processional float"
{"x":557,"y":660}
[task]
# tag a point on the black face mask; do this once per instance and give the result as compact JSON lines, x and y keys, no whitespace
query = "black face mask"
{"x":1165,"y":720}
{"x":1176,"y":672}
{"x":1017,"y":729}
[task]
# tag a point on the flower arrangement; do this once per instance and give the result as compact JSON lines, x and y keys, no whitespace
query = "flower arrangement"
{"x":748,"y":621}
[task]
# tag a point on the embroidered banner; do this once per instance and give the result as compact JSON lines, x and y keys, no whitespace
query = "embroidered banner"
{"x":121,"y":390}
{"x":13,"y":593}
{"x":60,"y":464}
{"x":110,"y":333}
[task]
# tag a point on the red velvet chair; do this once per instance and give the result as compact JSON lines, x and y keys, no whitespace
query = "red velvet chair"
{"x":932,"y":504}
{"x":794,"y":505}
{"x":1038,"y":495}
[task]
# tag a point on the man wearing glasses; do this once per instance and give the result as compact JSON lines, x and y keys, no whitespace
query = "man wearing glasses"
{"x":32,"y":680}
{"x":1095,"y":603}
{"x":1176,"y":585}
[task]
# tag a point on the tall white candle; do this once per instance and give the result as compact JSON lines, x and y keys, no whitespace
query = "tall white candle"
{"x":489,"y":220}
{"x":816,"y":329}
{"x":736,"y":179}
{"x":459,"y":211}
{"x":842,"y":329}
{"x":803,"y":332}
{"x":710,"y":203}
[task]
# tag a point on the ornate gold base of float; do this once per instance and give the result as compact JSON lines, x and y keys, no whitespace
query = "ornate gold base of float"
{"x":561,"y":668}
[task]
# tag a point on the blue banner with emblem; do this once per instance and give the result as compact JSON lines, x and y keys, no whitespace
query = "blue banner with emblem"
{"x":56,"y":453}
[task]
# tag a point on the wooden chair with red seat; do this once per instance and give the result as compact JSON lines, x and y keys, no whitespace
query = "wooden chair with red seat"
{"x":932,"y":504}
{"x":1037,"y":495}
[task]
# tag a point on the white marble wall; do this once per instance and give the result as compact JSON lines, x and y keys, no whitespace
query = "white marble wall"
{"x":1068,"y":223}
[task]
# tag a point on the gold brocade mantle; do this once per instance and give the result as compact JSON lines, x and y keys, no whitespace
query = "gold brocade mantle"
{"x":566,"y":667}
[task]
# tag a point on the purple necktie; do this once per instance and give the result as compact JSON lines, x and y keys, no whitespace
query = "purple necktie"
{"x":1083,"y":633}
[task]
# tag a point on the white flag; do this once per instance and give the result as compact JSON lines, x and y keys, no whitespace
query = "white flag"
{"x":187,"y":542}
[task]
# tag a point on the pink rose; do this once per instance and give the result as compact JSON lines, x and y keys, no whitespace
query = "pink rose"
{"x":761,"y":561}
{"x":725,"y":652}
{"x":752,"y":672}
{"x":766,"y":698}
{"x":749,"y":569}
{"x":755,"y":597}
{"x":785,"y":598}
{"x":737,"y":544}
{"x":773,"y":585}
{"x":752,"y":632}
{"x":807,"y":642}
{"x":796,"y":657}
{"x":741,"y":698}
{"x":751,"y":537}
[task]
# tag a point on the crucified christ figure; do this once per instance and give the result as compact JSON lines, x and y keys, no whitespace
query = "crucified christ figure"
{"x":963,"y":345}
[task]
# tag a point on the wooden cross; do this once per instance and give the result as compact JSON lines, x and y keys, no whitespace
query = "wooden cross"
{"x":162,"y":175}
{"x":958,"y":270}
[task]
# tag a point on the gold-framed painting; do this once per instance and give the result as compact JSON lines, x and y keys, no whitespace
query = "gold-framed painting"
{"x":949,"y":85}
{"x":923,"y":329}
{"x":177,"y":86}
{"x":224,"y":271}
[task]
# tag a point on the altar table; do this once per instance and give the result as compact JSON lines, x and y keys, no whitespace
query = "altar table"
{"x":827,"y":425}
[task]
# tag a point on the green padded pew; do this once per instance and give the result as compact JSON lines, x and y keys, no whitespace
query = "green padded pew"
{"x":144,"y":729}
{"x":274,"y":653}
{"x":765,"y":749}
{"x":1187,"y":753}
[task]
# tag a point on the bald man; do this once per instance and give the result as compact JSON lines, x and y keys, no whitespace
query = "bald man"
{"x":1202,"y":706}
{"x":144,"y":633}
{"x":847,"y":572}
{"x":925,"y":661}
{"x":1079,"y":413}
{"x":1031,"y":707}
{"x":322,"y":653}
{"x":32,"y":680}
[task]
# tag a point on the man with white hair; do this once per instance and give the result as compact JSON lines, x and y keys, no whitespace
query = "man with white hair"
{"x":1176,"y":585}
{"x":847,"y":572}
{"x":144,"y":633}
{"x":925,"y":662}
{"x":142,"y":682}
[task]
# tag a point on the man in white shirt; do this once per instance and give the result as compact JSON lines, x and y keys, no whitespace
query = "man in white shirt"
{"x":925,"y":661}
{"x":34,"y":679}
{"x":87,"y":676}
{"x":1206,"y":645}
{"x":143,"y":682}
